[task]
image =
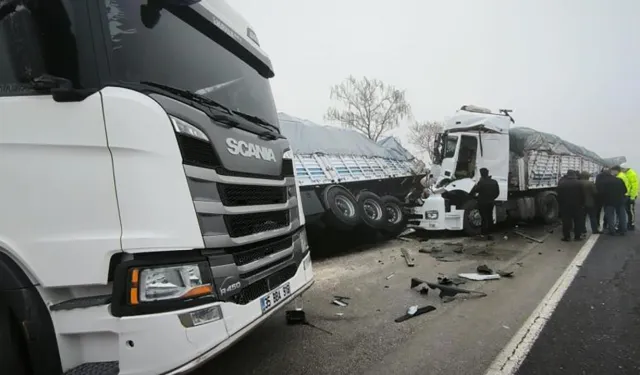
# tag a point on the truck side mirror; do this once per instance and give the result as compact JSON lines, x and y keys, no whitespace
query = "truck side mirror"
{"x":23,"y":41}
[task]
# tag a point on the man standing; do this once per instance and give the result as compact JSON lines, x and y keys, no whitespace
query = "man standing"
{"x":632,"y":178}
{"x":571,"y":201}
{"x":590,"y":207}
{"x":486,"y":191}
{"x":613,"y":192}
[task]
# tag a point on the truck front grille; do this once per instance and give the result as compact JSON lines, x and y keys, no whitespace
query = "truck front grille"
{"x":260,"y":287}
{"x":196,"y":152}
{"x":246,"y":224}
{"x":250,"y":195}
{"x":250,"y":253}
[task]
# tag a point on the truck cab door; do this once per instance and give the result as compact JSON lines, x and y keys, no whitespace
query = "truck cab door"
{"x":493,"y":154}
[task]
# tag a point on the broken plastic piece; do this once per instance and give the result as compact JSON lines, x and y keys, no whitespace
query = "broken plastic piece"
{"x":407,"y":257}
{"x":479,"y":277}
{"x":298,"y":317}
{"x":483,"y":269}
{"x":445,"y":290}
{"x":340,"y":303}
{"x":412,"y":310}
{"x":390,"y":276}
{"x":505,"y":273}
{"x":419,"y":311}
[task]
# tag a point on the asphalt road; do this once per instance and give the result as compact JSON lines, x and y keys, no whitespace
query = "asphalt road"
{"x":461,"y":337}
{"x":595,"y":328}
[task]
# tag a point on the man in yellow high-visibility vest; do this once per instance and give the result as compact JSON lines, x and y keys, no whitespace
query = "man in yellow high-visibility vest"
{"x":632,"y":193}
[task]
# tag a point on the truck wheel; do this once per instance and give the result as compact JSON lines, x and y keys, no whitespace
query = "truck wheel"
{"x":371,"y":209}
{"x":396,"y":219}
{"x":471,"y":223}
{"x":547,"y":207}
{"x":342,"y":207}
{"x":12,"y":355}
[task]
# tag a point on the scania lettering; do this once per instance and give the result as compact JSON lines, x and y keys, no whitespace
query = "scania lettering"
{"x":150,"y":213}
{"x":250,"y":150}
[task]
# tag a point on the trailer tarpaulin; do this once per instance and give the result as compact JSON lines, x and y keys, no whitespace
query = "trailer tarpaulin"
{"x":307,"y":137}
{"x":523,"y":139}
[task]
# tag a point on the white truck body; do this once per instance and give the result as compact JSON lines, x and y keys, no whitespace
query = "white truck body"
{"x":120,"y":193}
{"x":526,"y":179}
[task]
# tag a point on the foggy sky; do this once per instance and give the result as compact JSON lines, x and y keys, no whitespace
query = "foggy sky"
{"x":569,"y":67}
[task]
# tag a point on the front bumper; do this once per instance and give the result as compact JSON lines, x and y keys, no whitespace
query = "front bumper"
{"x":159,"y":343}
{"x":432,"y":215}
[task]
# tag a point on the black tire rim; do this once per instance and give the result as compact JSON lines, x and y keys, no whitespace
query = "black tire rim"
{"x":474,"y":217}
{"x":346,"y":207}
{"x":394,"y":214}
{"x":372,"y":209}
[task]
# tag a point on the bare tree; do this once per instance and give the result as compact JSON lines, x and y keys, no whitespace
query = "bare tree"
{"x":368,"y":105}
{"x":423,"y":135}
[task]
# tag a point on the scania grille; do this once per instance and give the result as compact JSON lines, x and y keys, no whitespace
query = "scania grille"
{"x":246,"y":224}
{"x":260,"y":287}
{"x":250,"y":195}
{"x":250,"y":253}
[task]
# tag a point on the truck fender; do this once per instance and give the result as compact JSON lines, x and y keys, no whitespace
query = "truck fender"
{"x":26,"y":305}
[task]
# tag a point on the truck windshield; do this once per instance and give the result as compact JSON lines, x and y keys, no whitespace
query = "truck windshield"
{"x":174,"y":45}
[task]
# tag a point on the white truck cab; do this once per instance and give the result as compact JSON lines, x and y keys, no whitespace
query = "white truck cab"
{"x":150,"y":212}
{"x":473,"y":138}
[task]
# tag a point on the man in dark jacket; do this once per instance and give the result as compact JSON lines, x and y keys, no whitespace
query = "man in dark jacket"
{"x":486,"y":191}
{"x":614,"y":197}
{"x":600,"y":179}
{"x":590,"y":206}
{"x":571,"y":201}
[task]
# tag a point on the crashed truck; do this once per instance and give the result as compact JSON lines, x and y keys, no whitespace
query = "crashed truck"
{"x":527,"y":164}
{"x":347,"y":181}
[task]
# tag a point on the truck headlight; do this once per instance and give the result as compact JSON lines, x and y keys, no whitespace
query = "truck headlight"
{"x":432,"y":215}
{"x":162,"y":283}
{"x":183,"y":127}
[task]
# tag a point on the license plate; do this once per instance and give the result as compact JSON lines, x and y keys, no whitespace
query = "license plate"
{"x":275,"y":297}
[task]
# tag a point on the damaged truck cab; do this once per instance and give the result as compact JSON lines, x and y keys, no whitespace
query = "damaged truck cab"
{"x":473,"y":138}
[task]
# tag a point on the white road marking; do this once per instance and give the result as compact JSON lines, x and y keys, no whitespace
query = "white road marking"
{"x":512,"y":356}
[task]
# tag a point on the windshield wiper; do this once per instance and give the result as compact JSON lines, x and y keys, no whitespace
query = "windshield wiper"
{"x":258,"y":120}
{"x":189,"y":95}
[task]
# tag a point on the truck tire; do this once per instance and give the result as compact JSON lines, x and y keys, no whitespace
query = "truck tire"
{"x":13,"y":354}
{"x":342,"y":207}
{"x":396,"y":218}
{"x":371,"y":210}
{"x":471,"y":223}
{"x":547,"y":207}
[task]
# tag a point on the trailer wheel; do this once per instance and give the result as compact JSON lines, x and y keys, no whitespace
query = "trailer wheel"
{"x":472,"y":222}
{"x":342,"y":207}
{"x":547,"y":207}
{"x":12,"y":355}
{"x":396,"y":218}
{"x":372,"y":210}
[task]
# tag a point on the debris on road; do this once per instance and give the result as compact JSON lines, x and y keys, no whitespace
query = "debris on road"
{"x":445,"y":290}
{"x":505,"y":273}
{"x":528,"y":237}
{"x":479,"y":277}
{"x":340,"y":301}
{"x":484,"y":270}
{"x":298,"y":317}
{"x":407,"y":257}
{"x":390,"y":276}
{"x":415,"y":311}
{"x":443,"y":280}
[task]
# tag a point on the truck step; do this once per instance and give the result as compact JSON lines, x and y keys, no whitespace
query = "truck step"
{"x":95,"y":368}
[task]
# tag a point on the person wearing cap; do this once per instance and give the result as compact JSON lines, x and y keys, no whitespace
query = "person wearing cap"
{"x":486,"y":191}
{"x":632,"y":193}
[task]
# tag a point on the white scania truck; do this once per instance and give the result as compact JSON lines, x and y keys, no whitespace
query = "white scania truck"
{"x":149,"y":214}
{"x":527,"y":164}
